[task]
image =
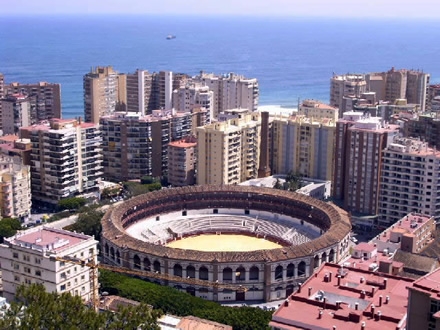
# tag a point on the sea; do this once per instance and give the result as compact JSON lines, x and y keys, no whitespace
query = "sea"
{"x":292,"y":57}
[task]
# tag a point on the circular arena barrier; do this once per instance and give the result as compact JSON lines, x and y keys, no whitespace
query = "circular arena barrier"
{"x":139,"y":235}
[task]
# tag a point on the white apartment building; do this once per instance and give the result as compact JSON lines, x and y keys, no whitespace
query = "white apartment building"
{"x":231,"y":91}
{"x":29,"y":257}
{"x":318,"y":110}
{"x":409,"y":180}
{"x":66,"y":160}
{"x":186,"y":98}
{"x":228,"y":152}
{"x":15,"y":188}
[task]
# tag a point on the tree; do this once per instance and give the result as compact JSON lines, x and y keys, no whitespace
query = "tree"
{"x":38,"y":309}
{"x":89,"y":223}
{"x":72,"y":203}
{"x":293,"y":181}
{"x":8,"y":228}
{"x":175,"y":302}
{"x":277,"y":184}
{"x":148,"y":179}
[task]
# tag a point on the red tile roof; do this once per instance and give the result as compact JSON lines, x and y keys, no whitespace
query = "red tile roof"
{"x":372,"y":292}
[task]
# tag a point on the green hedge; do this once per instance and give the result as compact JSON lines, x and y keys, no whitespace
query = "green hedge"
{"x":179,"y":303}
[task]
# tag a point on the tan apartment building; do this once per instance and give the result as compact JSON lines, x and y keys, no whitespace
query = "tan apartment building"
{"x":66,"y":160}
{"x":231,"y":91}
{"x":15,"y":188}
{"x":12,"y":145}
{"x":101,"y":93}
{"x":182,"y":162}
{"x":303,"y":145}
{"x":228,"y":152}
{"x":44,"y":97}
{"x":400,"y":84}
{"x":346,"y":85}
{"x":16,"y":113}
{"x":318,"y":110}
{"x":360,"y":140}
{"x":135,"y":145}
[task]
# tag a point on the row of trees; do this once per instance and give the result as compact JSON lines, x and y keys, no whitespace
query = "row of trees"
{"x":175,"y":302}
{"x":38,"y":309}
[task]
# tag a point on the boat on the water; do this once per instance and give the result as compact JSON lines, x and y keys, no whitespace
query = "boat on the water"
{"x":170,"y":36}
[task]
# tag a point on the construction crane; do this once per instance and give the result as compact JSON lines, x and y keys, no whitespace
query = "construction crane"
{"x":93,"y":266}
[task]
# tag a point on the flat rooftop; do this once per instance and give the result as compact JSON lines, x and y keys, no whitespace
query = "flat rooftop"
{"x":429,"y":284}
{"x":346,"y":297}
{"x":407,"y":225}
{"x":47,"y":239}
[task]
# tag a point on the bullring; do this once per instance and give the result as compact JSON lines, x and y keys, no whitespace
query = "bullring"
{"x":307,"y":231}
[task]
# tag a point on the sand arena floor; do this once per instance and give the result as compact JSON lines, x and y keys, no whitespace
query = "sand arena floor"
{"x":223,"y":243}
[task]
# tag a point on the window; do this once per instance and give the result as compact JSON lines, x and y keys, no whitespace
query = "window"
{"x":17,"y":278}
{"x":83,"y":277}
{"x":38,"y":272}
{"x":38,"y":261}
{"x":16,"y":266}
{"x":15,"y":255}
{"x":63,"y":287}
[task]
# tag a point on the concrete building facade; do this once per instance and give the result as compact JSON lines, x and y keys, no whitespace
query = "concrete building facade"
{"x":360,"y":140}
{"x":318,"y":110}
{"x":410,"y":171}
{"x":303,"y":145}
{"x":343,"y":86}
{"x":182,"y":162}
{"x":100,"y":93}
{"x":66,"y":160}
{"x":186,"y":98}
{"x":44,"y":97}
{"x":16,"y":113}
{"x":424,"y":302}
{"x":15,"y":188}
{"x":136,"y":145}
{"x":425,"y":127}
{"x":228,"y":152}
{"x":29,"y":258}
{"x":231,"y":91}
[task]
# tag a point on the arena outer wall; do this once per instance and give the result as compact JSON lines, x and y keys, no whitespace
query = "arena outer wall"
{"x":267,"y":274}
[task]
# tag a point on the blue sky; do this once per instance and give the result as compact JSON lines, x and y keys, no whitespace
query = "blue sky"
{"x":324,"y":8}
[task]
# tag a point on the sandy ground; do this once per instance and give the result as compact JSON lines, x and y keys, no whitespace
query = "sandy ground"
{"x":224,"y":243}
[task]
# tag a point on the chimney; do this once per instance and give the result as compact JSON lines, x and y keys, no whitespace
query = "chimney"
{"x":264,"y":169}
{"x":299,"y":288}
{"x":286,"y":302}
{"x":363,"y":325}
{"x":330,"y":275}
{"x":356,"y":306}
{"x":320,"y":313}
{"x":378,"y":315}
{"x":385,"y":282}
{"x":387,"y":299}
{"x":339,"y":280}
{"x":324,"y":303}
{"x":310,"y":291}
{"x":380,"y":300}
{"x":373,"y":308}
{"x":363,"y":294}
{"x":362,"y":280}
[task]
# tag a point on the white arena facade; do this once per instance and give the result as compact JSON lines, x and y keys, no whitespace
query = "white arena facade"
{"x":266,"y":240}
